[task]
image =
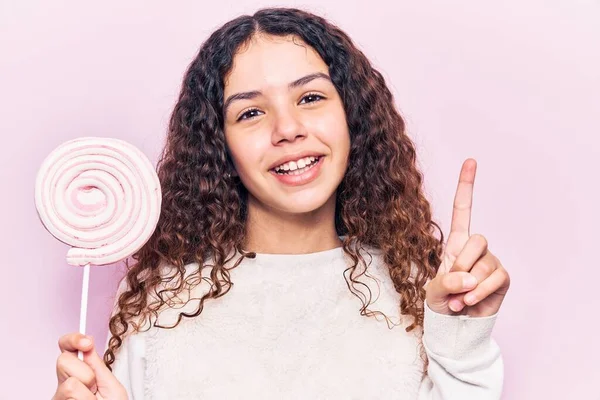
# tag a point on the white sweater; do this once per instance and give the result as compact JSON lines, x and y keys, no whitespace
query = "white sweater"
{"x":289,"y":328}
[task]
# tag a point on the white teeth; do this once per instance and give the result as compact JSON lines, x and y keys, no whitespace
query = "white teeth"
{"x":294,"y":165}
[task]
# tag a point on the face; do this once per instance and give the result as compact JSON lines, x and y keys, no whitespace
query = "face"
{"x":285,"y":125}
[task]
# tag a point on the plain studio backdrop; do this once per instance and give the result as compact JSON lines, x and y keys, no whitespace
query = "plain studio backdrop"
{"x":513,"y":84}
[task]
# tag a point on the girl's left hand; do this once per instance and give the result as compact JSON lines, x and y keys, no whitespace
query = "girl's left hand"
{"x":467,"y":257}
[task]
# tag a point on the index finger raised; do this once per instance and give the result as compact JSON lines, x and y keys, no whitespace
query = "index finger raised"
{"x":463,"y":200}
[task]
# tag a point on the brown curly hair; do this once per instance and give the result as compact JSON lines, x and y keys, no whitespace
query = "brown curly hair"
{"x":379,"y":203}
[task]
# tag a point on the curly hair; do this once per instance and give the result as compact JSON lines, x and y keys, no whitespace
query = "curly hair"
{"x":379,"y":203}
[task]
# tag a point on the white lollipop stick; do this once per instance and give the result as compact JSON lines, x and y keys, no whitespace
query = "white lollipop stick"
{"x":102,"y":197}
{"x":84,"y":301}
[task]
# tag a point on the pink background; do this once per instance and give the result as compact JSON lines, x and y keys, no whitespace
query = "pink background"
{"x":514,"y":84}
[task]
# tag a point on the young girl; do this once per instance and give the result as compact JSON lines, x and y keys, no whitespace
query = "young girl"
{"x":295,"y":256}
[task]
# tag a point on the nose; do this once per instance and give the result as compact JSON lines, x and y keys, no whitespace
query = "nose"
{"x":287,"y":127}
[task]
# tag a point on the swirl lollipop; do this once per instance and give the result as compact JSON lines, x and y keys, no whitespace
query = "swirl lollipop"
{"x":102,"y":197}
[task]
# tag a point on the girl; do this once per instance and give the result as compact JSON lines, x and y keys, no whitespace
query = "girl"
{"x":295,"y":255}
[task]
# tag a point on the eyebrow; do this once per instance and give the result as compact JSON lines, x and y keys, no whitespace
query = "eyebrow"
{"x":255,"y":93}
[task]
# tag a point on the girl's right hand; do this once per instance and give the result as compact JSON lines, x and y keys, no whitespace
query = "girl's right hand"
{"x":89,"y":379}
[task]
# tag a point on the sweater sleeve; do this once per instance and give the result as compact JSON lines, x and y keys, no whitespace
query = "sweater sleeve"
{"x":464,"y":361}
{"x":129,"y":364}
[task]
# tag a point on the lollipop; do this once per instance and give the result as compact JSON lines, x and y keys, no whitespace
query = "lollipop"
{"x":102,"y":197}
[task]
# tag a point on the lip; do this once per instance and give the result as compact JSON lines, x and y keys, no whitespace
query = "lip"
{"x":302,"y":179}
{"x":294,"y":157}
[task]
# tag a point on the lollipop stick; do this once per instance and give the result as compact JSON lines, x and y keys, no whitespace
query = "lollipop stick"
{"x":84,"y":300}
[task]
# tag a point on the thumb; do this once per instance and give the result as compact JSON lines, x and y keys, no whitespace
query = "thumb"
{"x":444,"y":285}
{"x":100,"y":369}
{"x":108,"y":385}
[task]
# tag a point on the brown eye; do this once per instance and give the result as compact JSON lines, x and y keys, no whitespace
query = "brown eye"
{"x":254,"y":112}
{"x":311,"y":98}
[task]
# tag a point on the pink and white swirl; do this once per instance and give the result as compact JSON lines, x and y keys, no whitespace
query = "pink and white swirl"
{"x":99,"y":195}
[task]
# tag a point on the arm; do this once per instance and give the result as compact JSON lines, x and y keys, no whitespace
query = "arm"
{"x":464,"y":361}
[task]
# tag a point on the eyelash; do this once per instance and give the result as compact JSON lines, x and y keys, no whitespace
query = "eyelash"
{"x":241,"y":118}
{"x":313,"y":94}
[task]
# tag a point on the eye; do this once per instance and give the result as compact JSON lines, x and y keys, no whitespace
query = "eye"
{"x":311,"y":98}
{"x":249,"y":114}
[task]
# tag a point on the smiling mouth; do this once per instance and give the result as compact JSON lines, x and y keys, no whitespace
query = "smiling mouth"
{"x":293,"y":168}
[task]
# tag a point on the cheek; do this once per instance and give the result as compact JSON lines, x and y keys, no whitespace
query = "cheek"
{"x":246,"y":152}
{"x":332,"y":129}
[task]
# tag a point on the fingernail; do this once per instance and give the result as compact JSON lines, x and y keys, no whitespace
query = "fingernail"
{"x":85,"y":342}
{"x":469,"y":281}
{"x":455,"y":305}
{"x":470,"y":298}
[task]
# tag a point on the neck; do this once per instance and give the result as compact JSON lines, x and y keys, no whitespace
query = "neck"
{"x":270,"y":231}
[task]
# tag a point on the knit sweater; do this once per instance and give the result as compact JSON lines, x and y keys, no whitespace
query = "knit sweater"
{"x":290,"y":328}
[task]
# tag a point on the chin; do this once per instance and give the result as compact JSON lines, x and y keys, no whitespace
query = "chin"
{"x":303,"y":202}
{"x":302,"y":207}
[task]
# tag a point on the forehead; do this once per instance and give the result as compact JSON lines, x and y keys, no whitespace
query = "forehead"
{"x":271,"y":62}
